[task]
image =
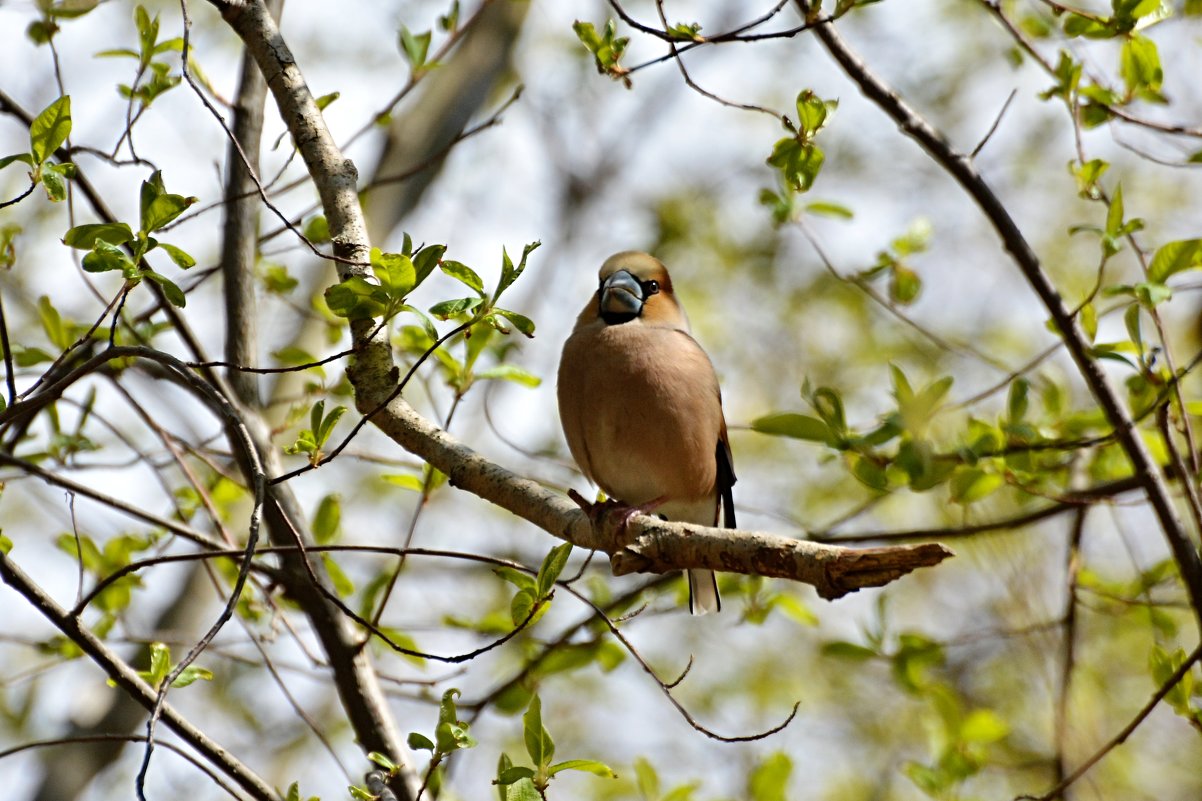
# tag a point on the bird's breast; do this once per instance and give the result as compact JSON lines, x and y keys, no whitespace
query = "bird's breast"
{"x":641,"y":410}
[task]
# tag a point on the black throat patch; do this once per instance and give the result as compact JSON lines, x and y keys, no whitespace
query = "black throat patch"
{"x":616,"y":318}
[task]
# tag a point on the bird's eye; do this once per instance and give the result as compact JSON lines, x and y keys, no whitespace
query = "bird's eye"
{"x":650,"y":287}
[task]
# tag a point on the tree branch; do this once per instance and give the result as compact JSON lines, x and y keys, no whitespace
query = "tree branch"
{"x":965,"y":173}
{"x":126,"y":678}
{"x":648,"y":543}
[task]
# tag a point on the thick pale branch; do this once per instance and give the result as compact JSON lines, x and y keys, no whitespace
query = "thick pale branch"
{"x":833,"y":570}
{"x":649,"y":544}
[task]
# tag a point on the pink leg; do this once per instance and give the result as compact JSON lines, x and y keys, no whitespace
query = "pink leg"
{"x":598,"y":511}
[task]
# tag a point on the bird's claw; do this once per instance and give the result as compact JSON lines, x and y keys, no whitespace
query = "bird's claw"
{"x":600,"y":512}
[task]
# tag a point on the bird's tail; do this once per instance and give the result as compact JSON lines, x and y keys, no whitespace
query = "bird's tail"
{"x":703,"y":592}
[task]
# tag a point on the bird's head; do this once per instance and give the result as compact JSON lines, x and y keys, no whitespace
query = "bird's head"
{"x":635,"y":285}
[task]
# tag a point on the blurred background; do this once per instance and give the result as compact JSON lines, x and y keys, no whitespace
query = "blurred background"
{"x":947,"y":684}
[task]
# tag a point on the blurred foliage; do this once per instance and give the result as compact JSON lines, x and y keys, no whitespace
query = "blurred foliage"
{"x":885,"y":371}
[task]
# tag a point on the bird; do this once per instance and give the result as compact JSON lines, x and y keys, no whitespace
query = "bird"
{"x":641,"y":408}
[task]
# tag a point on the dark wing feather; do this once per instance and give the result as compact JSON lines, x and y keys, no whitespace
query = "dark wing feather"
{"x":725,"y":482}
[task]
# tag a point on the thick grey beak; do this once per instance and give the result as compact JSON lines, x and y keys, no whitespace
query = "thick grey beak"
{"x":621,"y":294}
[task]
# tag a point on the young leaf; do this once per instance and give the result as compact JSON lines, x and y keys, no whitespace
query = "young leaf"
{"x":1173,"y":257}
{"x":425,"y":260}
{"x":395,"y":272}
{"x":85,"y":237}
{"x":419,"y":742}
{"x":105,"y":257}
{"x":509,"y":273}
{"x":182,"y":259}
{"x":171,"y":291}
{"x":539,"y":745}
{"x":464,"y":274}
{"x":416,"y":47}
{"x":522,"y":323}
{"x":50,"y":129}
{"x":587,"y":765}
{"x":160,"y":207}
{"x":328,"y":519}
{"x":447,"y":309}
{"x":797,"y":426}
{"x":552,"y":566}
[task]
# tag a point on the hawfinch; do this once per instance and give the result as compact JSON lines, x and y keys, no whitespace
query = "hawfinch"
{"x":640,"y":405}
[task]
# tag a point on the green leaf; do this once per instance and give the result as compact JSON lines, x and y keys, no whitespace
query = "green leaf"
{"x":328,"y":519}
{"x":513,"y":774}
{"x":770,"y":779}
{"x":586,"y":765}
{"x":85,"y":237}
{"x":328,"y":422}
{"x":509,"y":372}
{"x":1151,"y":294}
{"x":339,"y":580}
{"x":451,"y":734}
{"x":54,"y":180}
{"x":904,"y":285}
{"x":552,"y":566}
{"x":317,"y":230}
{"x":171,"y":291}
{"x":521,"y":607}
{"x":419,"y":742}
{"x":24,"y":158}
{"x":983,"y":726}
{"x":607,"y":47}
{"x":425,"y":260}
{"x":447,"y":309}
{"x":1114,"y":213}
{"x":404,"y":481}
{"x":539,"y":745}
{"x":191,"y":674}
{"x":356,"y":298}
{"x":523,"y":581}
{"x":798,"y":162}
{"x":1173,"y":257}
{"x":828,"y":209}
{"x":847,"y":650}
{"x":1016,"y":403}
{"x":394,"y":271}
{"x":797,"y":426}
{"x":461,"y":272}
{"x":1132,"y":322}
{"x":182,"y":259}
{"x":972,"y":484}
{"x":509,"y":273}
{"x":1139,"y":64}
{"x":50,"y":129}
{"x":160,"y":207}
{"x":812,"y":111}
{"x":685,"y":32}
{"x":415,"y":47}
{"x":105,"y":257}
{"x":522,"y":323}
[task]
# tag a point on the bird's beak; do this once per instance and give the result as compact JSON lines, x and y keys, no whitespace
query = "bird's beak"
{"x":621,"y":294}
